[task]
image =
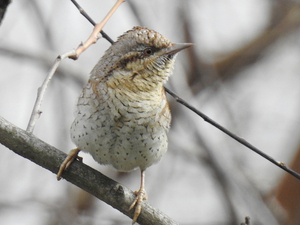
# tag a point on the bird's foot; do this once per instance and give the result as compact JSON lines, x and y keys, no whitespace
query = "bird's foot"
{"x":137,"y":203}
{"x":73,"y":154}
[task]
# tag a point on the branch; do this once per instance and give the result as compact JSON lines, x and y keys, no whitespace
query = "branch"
{"x":83,"y":176}
{"x":242,"y":141}
{"x":81,"y":10}
{"x":35,"y":115}
{"x":97,"y":29}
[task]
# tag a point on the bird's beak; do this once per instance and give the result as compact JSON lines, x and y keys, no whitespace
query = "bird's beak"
{"x":176,"y":47}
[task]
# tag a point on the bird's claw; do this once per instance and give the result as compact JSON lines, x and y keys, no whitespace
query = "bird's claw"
{"x":137,"y":203}
{"x":68,"y":161}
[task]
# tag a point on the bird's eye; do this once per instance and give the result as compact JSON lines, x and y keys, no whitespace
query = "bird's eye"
{"x":148,"y":51}
{"x":170,"y":56}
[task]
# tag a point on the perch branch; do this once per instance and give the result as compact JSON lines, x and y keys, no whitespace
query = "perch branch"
{"x":83,"y":176}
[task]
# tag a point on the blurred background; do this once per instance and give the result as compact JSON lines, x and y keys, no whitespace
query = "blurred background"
{"x":243,"y":72}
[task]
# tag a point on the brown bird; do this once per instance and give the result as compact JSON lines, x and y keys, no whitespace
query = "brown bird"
{"x":122,"y":113}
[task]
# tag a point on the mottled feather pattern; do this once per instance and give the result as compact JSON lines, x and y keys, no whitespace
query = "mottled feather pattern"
{"x":122,"y":115}
{"x":122,"y":120}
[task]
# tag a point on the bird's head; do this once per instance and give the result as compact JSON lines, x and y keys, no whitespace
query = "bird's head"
{"x":142,"y":57}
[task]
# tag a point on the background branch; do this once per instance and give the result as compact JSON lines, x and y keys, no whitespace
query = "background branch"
{"x":83,"y":176}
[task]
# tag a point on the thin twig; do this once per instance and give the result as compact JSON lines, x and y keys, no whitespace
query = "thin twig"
{"x":235,"y":137}
{"x":215,"y":124}
{"x":97,"y":29}
{"x":74,"y":54}
{"x":81,"y":10}
{"x":35,"y":115}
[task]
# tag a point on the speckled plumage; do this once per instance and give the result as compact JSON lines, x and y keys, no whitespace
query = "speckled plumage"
{"x":120,"y":119}
{"x":122,"y":114}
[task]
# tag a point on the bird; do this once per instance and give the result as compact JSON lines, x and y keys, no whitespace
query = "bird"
{"x":123,"y":115}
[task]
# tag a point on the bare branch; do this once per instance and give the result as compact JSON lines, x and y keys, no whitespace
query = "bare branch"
{"x":83,"y":176}
{"x":98,"y":27}
{"x":82,"y":11}
{"x":35,"y":115}
{"x":235,"y":137}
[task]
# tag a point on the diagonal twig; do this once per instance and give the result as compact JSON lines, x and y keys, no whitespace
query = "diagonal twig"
{"x":232,"y":135}
{"x":81,"y":10}
{"x":97,"y":29}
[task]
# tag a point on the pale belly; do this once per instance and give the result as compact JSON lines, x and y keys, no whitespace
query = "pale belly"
{"x":125,"y":148}
{"x":125,"y":140}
